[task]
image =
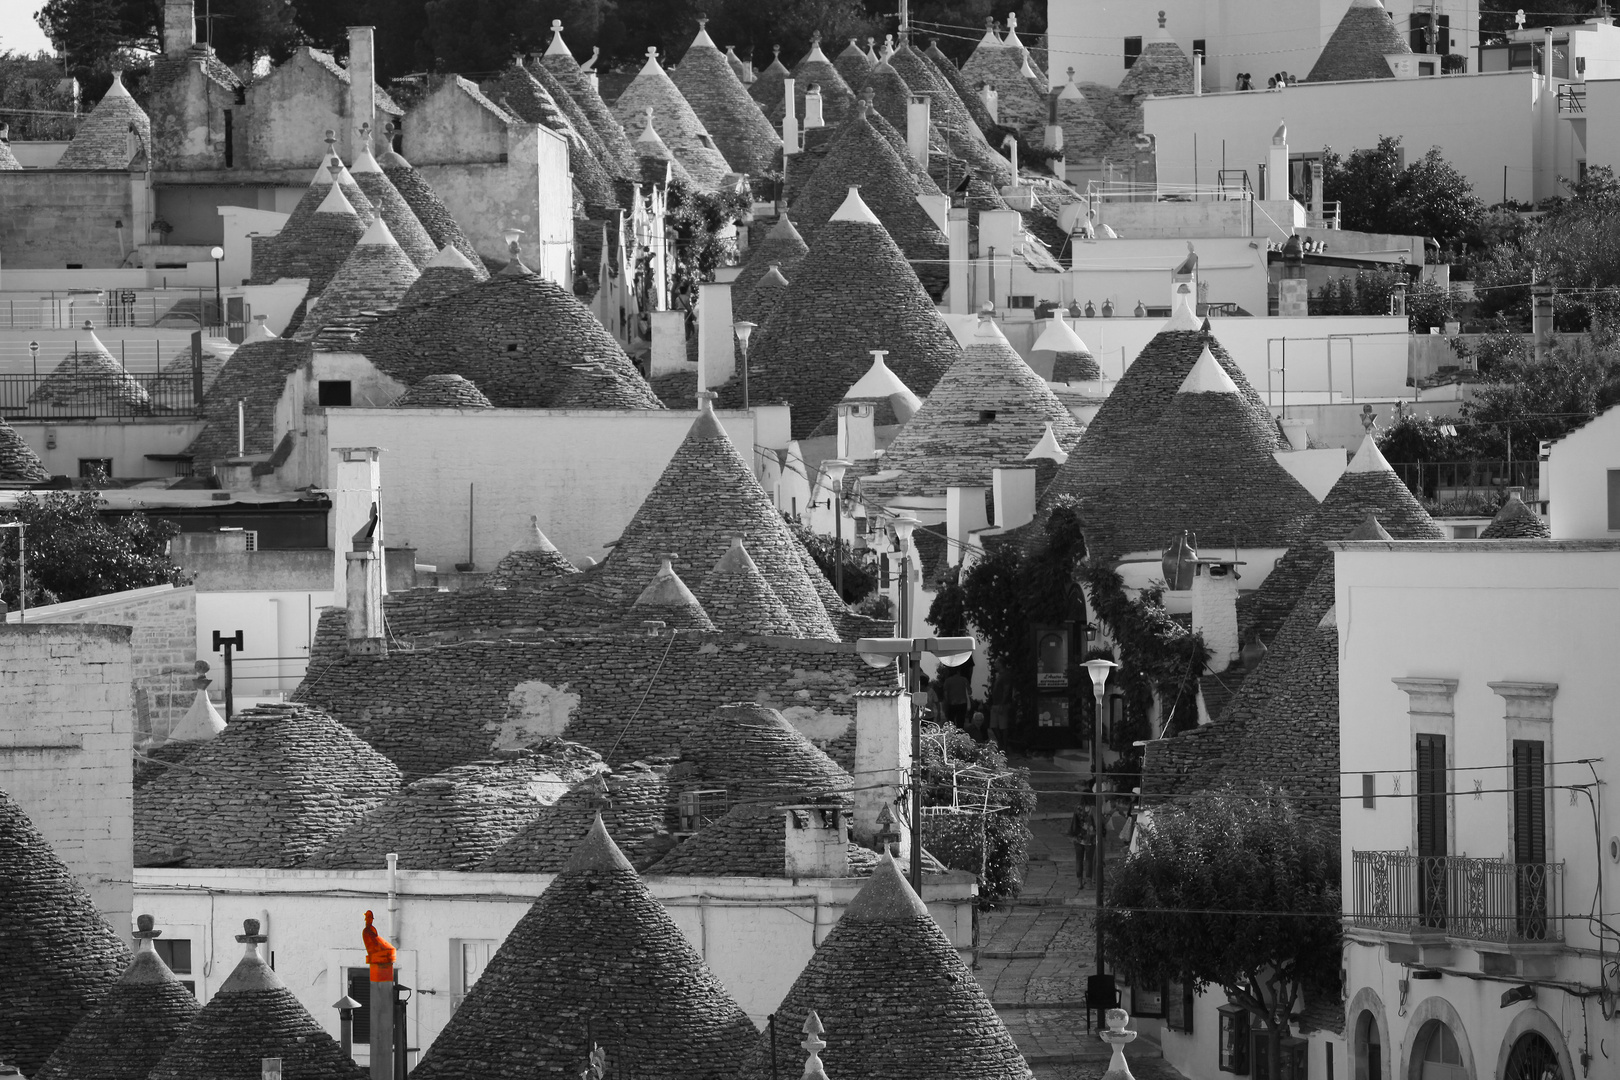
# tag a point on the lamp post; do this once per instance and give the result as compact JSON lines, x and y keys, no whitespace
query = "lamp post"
{"x":744,"y":329}
{"x":1098,"y":670}
{"x":880,"y":653}
{"x":217,"y":253}
{"x":835,"y":469}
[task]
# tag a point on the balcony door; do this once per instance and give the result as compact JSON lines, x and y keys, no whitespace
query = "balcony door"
{"x":1431,"y":830}
{"x":1530,"y":838}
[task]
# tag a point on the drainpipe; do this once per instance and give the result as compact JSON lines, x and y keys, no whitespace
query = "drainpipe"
{"x":393,"y":895}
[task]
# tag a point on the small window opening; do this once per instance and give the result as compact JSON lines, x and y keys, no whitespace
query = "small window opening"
{"x":335,"y":392}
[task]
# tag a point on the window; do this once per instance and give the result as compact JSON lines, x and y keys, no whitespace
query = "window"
{"x":1201,"y":50}
{"x":92,"y":467}
{"x":987,"y":416}
{"x":1233,"y":1045}
{"x":1431,"y":828}
{"x":1021,"y":302}
{"x":1532,"y":1058}
{"x":468,"y":959}
{"x":1614,"y":498}
{"x":1465,"y":532}
{"x":176,"y":952}
{"x":1369,"y":791}
{"x":1530,"y":838}
{"x":1369,"y":1048}
{"x":1133,"y":49}
{"x":359,"y":980}
{"x":1440,"y":1059}
{"x":230,"y":139}
{"x":1178,"y":1008}
{"x":335,"y":392}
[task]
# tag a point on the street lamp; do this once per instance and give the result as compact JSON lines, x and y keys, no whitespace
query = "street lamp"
{"x":744,"y":330}
{"x":880,"y":653}
{"x":835,"y":469}
{"x":1099,"y":671}
{"x":217,"y":253}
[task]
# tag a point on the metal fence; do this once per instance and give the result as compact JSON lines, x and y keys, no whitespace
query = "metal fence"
{"x":85,"y":395}
{"x":1442,"y":481}
{"x":133,"y":354}
{"x":179,"y":309}
{"x":1456,"y":896}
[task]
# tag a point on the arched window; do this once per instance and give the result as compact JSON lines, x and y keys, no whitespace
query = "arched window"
{"x":1533,"y":1058}
{"x":1369,"y":1048}
{"x":1439,"y":1057}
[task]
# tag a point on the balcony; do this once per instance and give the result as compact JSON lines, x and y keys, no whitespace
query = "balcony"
{"x":1453,"y":896}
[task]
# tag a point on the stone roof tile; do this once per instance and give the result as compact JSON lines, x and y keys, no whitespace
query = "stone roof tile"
{"x":562,"y":66}
{"x":18,"y":462}
{"x":318,"y":246}
{"x":679,"y":126}
{"x":409,"y":233}
{"x":748,"y":840}
{"x":782,"y":246}
{"x":102,"y":140}
{"x":738,"y":598}
{"x":601,"y":959}
{"x":520,"y":92}
{"x":752,"y":754}
{"x":741,"y":132}
{"x":769,"y":87}
{"x":430,"y":210}
{"x":443,"y":392}
{"x":134,"y":1025}
{"x":667,"y":598}
{"x":1358,"y":45}
{"x":374,"y":276}
{"x":87,"y":377}
{"x":633,"y":802}
{"x":533,"y":560}
{"x":257,"y":375}
{"x":837,"y":97}
{"x":659,"y":165}
{"x":61,"y":956}
{"x":596,"y":146}
{"x":1515,"y":521}
{"x":311,"y":776}
{"x":963,"y":131}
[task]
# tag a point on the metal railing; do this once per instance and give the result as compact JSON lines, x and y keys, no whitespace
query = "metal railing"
{"x":87,"y":394}
{"x":1459,"y":897}
{"x":1572,"y":98}
{"x":1445,"y":481}
{"x":69,"y":309}
{"x":132,"y":354}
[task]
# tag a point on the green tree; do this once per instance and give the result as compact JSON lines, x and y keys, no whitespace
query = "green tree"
{"x":1235,"y":891}
{"x":244,"y":30}
{"x":986,"y":832}
{"x":97,"y":37}
{"x":1379,"y":192}
{"x":73,"y":552}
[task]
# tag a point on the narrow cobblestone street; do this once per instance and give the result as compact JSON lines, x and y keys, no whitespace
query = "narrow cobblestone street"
{"x":1036,"y":951}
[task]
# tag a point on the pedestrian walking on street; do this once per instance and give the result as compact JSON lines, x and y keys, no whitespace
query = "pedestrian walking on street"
{"x":957,"y":692}
{"x":1001,"y":708}
{"x":1084,"y":834}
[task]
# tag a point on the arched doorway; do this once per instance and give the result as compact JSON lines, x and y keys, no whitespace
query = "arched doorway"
{"x":1438,"y":1056}
{"x":1533,"y":1058}
{"x":1369,"y":1047}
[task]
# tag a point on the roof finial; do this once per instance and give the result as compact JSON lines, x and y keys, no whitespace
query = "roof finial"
{"x":1161,"y":18}
{"x":813,"y":1046}
{"x":652,"y":54}
{"x":1012,"y":21}
{"x":250,"y":935}
{"x":776,"y":51}
{"x":1071,"y":74}
{"x":144,"y":933}
{"x":705,"y":400}
{"x":703,"y":20}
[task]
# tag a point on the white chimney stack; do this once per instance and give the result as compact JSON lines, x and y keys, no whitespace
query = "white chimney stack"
{"x":668,"y":342}
{"x":817,"y":842}
{"x":364,"y":589}
{"x":362,"y":89}
{"x":1214,"y":612}
{"x":355,"y":476}
{"x":717,"y":351}
{"x":883,"y":762}
{"x":964,"y":516}
{"x":1014,"y":493}
{"x":812,"y":109}
{"x":790,"y":119}
{"x":992,"y":102}
{"x":919,"y":115}
{"x":857,"y":430}
{"x":179,"y":27}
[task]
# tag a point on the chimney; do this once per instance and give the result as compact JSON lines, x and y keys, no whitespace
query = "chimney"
{"x":857,"y":431}
{"x":365,"y":589}
{"x":179,"y":27}
{"x":817,"y":842}
{"x":918,"y":117}
{"x":1214,"y":611}
{"x":1277,"y":164}
{"x":1014,"y":495}
{"x":717,"y":346}
{"x":882,"y":761}
{"x":956,"y":235}
{"x":790,"y":119}
{"x":668,"y":342}
{"x":362,"y":89}
{"x":812,"y":108}
{"x":354,"y":484}
{"x":964,"y":515}
{"x":1198,"y":74}
{"x":992,"y":102}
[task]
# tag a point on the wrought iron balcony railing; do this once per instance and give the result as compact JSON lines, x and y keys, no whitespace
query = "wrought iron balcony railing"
{"x":1458,"y":897}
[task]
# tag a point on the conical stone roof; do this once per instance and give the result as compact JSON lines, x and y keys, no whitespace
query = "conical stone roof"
{"x":18,"y":462}
{"x":429,"y":209}
{"x":390,"y":205}
{"x":1515,"y":521}
{"x":762,"y":299}
{"x":984,"y":413}
{"x":533,"y":560}
{"x":862,"y":159}
{"x":1084,"y":131}
{"x":314,"y":196}
{"x":633,"y":802}
{"x":8,"y":160}
{"x":102,"y":140}
{"x":202,"y":722}
{"x":951,"y":115}
{"x":443,"y":392}
{"x":1020,"y":103}
{"x":754,"y":755}
{"x":853,"y":292}
{"x":965,"y":91}
{"x":837,"y":96}
{"x":888,"y":93}
{"x":1206,"y":467}
{"x":1071,"y":358}
{"x":707,"y":495}
{"x":134,"y":1025}
{"x":1139,"y":400}
{"x":447,"y":273}
{"x":678,"y":125}
{"x":522,"y":94}
{"x":668,"y":599}
{"x":61,"y":955}
{"x":658,"y":163}
{"x":1161,"y":69}
{"x":598,"y":958}
{"x":738,"y":598}
{"x":310,"y":777}
{"x":455,"y":819}
{"x":318,"y":247}
{"x":560,"y":62}
{"x":87,"y":378}
{"x":782,"y":246}
{"x":253,"y":1016}
{"x":373,"y":277}
{"x":582,"y":122}
{"x":1358,"y":45}
{"x":895,"y":997}
{"x":1368,"y":487}
{"x":741,"y":132}
{"x":897,"y":142}
{"x":523,"y":339}
{"x":853,"y":63}
{"x":748,"y":840}
{"x":769,"y":86}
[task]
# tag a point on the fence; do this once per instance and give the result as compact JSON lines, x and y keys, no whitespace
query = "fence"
{"x":132,"y":354}
{"x":89,"y":394}
{"x":1455,"y":896}
{"x":69,"y":310}
{"x":1484,"y":482}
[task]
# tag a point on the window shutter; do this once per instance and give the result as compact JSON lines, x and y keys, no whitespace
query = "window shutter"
{"x":1529,"y":802}
{"x":1431,"y":792}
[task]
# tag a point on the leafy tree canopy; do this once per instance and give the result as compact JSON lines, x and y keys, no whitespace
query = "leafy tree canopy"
{"x":1379,"y":192}
{"x":73,"y":552}
{"x":1235,"y":891}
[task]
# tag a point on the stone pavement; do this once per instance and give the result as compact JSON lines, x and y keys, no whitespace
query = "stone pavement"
{"x":1036,"y":951}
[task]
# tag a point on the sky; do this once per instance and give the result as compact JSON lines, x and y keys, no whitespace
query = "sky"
{"x":18,"y":31}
